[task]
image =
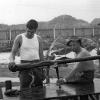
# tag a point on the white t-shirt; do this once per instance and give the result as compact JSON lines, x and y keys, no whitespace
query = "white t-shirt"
{"x":29,"y":49}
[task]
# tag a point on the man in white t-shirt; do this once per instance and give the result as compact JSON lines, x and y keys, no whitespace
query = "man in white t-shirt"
{"x":30,"y":48}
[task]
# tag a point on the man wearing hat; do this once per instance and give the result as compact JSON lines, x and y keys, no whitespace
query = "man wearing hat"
{"x":82,"y":72}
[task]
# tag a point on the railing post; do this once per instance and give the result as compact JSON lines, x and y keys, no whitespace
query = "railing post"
{"x":93,"y":32}
{"x":54,"y":33}
{"x":10,"y":34}
{"x":74,"y":31}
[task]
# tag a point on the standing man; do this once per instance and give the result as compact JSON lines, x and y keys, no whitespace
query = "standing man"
{"x":30,"y":47}
{"x":82,"y":72}
{"x":98,"y":53}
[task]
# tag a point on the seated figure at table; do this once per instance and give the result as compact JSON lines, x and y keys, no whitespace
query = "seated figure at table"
{"x":82,"y":72}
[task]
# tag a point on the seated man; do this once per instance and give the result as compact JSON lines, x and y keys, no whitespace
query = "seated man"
{"x":82,"y":72}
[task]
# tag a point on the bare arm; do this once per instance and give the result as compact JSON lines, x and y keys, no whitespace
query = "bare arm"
{"x":74,"y":71}
{"x":15,"y":48}
{"x":79,"y":66}
{"x":41,"y":48}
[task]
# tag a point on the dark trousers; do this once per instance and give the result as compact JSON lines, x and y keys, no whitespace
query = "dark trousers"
{"x":26,"y":78}
{"x":86,"y":77}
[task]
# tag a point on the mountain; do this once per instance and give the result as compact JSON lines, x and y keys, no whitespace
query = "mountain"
{"x":17,"y":27}
{"x":67,"y":21}
{"x":95,"y":22}
{"x":4,"y":26}
{"x":63,"y":21}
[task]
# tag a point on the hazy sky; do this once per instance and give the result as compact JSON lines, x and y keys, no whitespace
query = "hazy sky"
{"x":20,"y":11}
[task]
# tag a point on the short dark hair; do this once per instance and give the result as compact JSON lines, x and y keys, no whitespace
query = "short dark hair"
{"x":32,"y":24}
{"x":74,"y":40}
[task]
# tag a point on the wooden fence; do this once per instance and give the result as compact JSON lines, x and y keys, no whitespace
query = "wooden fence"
{"x":48,"y":35}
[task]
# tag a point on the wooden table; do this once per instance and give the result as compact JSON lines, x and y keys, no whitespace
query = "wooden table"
{"x":52,"y":92}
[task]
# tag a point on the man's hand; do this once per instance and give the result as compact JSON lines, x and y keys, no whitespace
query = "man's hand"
{"x":60,"y":81}
{"x":12,"y":66}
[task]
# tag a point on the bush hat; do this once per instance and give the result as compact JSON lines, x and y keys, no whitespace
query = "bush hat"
{"x":74,"y":39}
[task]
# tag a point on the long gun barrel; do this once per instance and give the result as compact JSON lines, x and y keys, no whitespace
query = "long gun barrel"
{"x":51,"y":62}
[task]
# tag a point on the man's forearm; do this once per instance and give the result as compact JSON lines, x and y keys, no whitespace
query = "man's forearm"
{"x":70,"y":76}
{"x":12,"y":58}
{"x":41,"y":54}
{"x":42,"y":58}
